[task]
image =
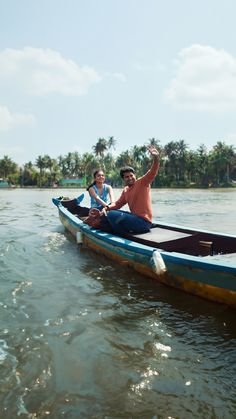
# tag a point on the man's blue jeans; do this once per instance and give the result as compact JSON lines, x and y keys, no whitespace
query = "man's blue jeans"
{"x":124,"y":222}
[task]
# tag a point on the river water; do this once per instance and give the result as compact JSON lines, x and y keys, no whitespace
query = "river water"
{"x":81,"y":337}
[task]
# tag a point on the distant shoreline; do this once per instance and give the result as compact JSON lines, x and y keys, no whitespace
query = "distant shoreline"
{"x":114,"y":187}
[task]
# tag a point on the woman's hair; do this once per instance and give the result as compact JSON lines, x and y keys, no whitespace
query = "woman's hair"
{"x":94,"y":175}
{"x":96,"y":172}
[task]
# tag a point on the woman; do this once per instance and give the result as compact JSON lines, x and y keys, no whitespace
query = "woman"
{"x":100,"y":193}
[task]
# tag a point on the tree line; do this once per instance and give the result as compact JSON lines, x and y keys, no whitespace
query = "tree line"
{"x":179,"y":165}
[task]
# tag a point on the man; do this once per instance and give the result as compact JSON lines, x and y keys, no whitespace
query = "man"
{"x":138,"y":197}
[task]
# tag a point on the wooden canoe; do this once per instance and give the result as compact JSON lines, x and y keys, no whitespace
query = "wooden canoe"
{"x":202,"y":263}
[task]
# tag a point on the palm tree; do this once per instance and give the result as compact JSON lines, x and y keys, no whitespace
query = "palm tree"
{"x":124,"y":159}
{"x":191,"y":167}
{"x":7,"y":167}
{"x":202,"y":172}
{"x":42,"y":163}
{"x":223,"y":158}
{"x":54,"y":169}
{"x":140,"y":159}
{"x":28,"y":174}
{"x":62,"y":165}
{"x":138,"y":153}
{"x":111,"y":143}
{"x":170,"y":151}
{"x":154,"y":143}
{"x":100,"y":147}
{"x":182,"y":154}
{"x":88,"y":164}
{"x":77,"y":163}
{"x":69,"y":163}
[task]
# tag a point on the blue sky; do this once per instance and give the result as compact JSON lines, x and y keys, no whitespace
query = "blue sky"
{"x":72,"y":71}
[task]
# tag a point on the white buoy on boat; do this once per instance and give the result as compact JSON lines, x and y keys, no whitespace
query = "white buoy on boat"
{"x":79,"y":237}
{"x":158,"y":263}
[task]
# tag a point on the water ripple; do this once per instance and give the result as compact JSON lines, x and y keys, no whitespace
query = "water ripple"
{"x":82,"y":337}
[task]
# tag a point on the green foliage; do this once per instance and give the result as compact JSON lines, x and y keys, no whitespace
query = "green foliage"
{"x":179,"y":166}
{"x":7,"y":167}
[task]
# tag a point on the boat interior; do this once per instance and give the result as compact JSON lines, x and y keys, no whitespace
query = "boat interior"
{"x":191,"y":242}
{"x":174,"y":239}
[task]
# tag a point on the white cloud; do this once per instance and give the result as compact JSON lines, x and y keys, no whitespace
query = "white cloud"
{"x":41,"y":71}
{"x":10,"y":120}
{"x":205,"y":80}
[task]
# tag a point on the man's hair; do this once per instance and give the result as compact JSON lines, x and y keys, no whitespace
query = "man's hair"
{"x":126,"y":169}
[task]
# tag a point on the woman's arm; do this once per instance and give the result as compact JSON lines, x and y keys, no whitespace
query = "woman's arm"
{"x":92,"y":193}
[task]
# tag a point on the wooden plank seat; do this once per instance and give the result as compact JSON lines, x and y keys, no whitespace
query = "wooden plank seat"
{"x":174,"y":241}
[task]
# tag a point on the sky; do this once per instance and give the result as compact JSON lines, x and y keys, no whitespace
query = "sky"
{"x":73,"y":71}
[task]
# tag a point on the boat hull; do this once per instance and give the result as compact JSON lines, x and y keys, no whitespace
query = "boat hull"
{"x":211,"y":280}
